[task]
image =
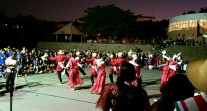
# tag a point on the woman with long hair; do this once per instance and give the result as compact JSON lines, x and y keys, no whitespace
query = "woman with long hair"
{"x":123,"y":95}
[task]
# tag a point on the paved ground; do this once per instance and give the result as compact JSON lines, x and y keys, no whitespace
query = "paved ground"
{"x":43,"y":92}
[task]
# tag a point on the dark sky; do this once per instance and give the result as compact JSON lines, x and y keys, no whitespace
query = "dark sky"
{"x":69,"y":10}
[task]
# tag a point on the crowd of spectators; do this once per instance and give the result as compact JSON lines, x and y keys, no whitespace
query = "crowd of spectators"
{"x":36,"y":61}
{"x":29,"y":61}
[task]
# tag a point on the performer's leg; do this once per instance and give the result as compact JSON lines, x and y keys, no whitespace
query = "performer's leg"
{"x":92,"y":79}
{"x":111,"y":78}
{"x":59,"y":76}
{"x":8,"y":80}
{"x":82,"y":71}
{"x":67,"y":74}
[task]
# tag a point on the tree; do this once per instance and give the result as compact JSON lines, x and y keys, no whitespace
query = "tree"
{"x":191,"y":12}
{"x":203,"y":10}
{"x":183,"y":13}
{"x":110,"y":21}
{"x":25,"y":31}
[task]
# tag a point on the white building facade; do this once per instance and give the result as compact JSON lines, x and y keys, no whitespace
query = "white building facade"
{"x":189,"y":26}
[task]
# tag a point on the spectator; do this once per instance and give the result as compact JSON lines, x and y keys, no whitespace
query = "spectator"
{"x":123,"y":96}
{"x":196,"y":73}
{"x":178,"y":87}
{"x":11,"y":69}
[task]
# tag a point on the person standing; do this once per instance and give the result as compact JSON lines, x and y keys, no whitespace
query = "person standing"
{"x":112,"y":70}
{"x":99,"y":83}
{"x":19,"y":57}
{"x":196,"y":74}
{"x":74,"y":74}
{"x":60,"y":58}
{"x":93,"y":69}
{"x":173,"y":67}
{"x":118,"y":62}
{"x":178,"y":87}
{"x":11,"y":70}
{"x":165,"y":74}
{"x":123,"y":95}
{"x":138,"y":74}
{"x":2,"y":57}
{"x":78,"y":60}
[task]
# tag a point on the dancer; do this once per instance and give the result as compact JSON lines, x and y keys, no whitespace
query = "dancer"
{"x":99,"y":83}
{"x":165,"y":74}
{"x":74,"y":74}
{"x":78,"y":59}
{"x":112,"y":70}
{"x":93,"y":69}
{"x":180,"y":62}
{"x":119,"y":61}
{"x":60,"y":58}
{"x":123,"y":96}
{"x":173,"y":66}
{"x":138,"y":75}
{"x":165,"y":57}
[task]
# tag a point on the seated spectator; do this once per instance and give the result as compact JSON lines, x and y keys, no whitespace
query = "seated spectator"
{"x":196,"y":73}
{"x":177,"y":88}
{"x":2,"y":70}
{"x":123,"y":96}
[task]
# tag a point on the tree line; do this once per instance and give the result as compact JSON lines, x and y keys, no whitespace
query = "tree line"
{"x":108,"y":21}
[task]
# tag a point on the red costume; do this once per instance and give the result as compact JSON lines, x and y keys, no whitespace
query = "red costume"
{"x":99,"y":83}
{"x":112,"y":70}
{"x":137,"y":73}
{"x":173,"y":68}
{"x":60,"y":61}
{"x":169,"y":70}
{"x":93,"y":69}
{"x":165,"y":75}
{"x":117,"y":100}
{"x":74,"y":75}
{"x":93,"y":66}
{"x":60,"y":58}
{"x":78,"y":60}
{"x":118,"y":62}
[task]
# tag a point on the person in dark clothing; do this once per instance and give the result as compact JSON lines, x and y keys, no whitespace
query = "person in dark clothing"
{"x":123,"y":95}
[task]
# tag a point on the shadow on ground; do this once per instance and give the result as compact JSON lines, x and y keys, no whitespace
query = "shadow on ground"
{"x":30,"y":84}
{"x":150,"y":82}
{"x":83,"y":87}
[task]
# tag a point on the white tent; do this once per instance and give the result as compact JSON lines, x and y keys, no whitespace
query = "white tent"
{"x":69,"y":30}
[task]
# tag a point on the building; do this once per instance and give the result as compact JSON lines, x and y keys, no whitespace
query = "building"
{"x":189,"y":26}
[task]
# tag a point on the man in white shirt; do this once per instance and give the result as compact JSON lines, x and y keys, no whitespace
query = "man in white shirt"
{"x":11,"y":69}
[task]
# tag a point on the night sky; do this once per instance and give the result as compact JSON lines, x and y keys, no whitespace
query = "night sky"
{"x":69,"y":10}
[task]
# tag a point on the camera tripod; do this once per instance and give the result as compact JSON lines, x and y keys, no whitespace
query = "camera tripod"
{"x":13,"y":87}
{"x":15,"y":81}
